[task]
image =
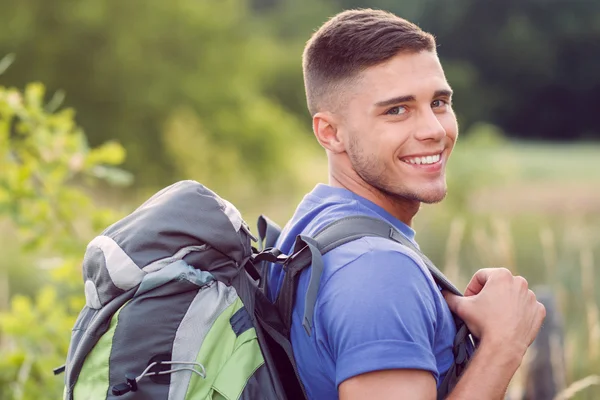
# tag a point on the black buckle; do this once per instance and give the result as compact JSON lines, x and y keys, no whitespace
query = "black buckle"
{"x":270,"y":254}
{"x":130,"y":385}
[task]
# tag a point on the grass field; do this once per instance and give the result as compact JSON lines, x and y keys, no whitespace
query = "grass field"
{"x":536,"y":210}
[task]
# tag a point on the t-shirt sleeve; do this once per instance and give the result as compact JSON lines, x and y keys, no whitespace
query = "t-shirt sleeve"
{"x":378,"y":312}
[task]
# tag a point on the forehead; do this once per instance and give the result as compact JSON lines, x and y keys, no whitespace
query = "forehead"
{"x":418,"y":74}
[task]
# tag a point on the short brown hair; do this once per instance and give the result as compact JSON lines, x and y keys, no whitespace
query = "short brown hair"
{"x":350,"y":42}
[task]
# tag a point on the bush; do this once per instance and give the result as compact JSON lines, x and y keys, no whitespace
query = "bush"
{"x":45,"y":164}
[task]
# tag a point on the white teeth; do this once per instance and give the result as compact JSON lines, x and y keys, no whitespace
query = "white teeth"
{"x":424,"y":160}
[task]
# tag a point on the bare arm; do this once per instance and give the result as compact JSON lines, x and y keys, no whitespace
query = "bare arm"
{"x":390,"y":384}
{"x":487,"y":377}
{"x":499,"y":309}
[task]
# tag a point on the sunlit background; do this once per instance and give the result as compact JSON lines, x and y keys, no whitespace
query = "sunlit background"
{"x":102,"y":103}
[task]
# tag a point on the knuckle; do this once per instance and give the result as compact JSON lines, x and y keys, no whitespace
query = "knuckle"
{"x":522,"y":282}
{"x":503,"y":273}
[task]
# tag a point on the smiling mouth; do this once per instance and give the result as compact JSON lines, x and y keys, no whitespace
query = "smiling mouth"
{"x":424,"y":160}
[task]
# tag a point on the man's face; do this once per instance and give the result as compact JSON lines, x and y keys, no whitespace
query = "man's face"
{"x":400,"y":127}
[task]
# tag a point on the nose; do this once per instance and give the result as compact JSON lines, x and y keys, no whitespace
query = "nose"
{"x":430,"y":127}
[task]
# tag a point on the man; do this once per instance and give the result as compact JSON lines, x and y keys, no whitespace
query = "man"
{"x":381,"y":108}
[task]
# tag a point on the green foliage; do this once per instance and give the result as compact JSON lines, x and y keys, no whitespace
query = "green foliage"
{"x":129,"y":67}
{"x":28,"y":360}
{"x":472,"y":166}
{"x":44,"y":159}
{"x":228,"y":166}
{"x":40,"y":152}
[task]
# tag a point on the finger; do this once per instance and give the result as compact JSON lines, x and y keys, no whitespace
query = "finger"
{"x":523,"y":284}
{"x":478,"y":281}
{"x":537,"y":321}
{"x":541,"y":314}
{"x":454,"y":301}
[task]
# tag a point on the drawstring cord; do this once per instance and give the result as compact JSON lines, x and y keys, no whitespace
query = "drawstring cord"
{"x":149,"y":367}
{"x":131,"y":384}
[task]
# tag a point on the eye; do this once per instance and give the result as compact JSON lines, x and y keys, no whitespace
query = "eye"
{"x":398,"y":110}
{"x":439,"y":103}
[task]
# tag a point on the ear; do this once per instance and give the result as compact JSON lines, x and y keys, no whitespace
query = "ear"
{"x":326,"y":129}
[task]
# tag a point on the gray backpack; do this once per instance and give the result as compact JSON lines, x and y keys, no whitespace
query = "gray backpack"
{"x":176,"y":306}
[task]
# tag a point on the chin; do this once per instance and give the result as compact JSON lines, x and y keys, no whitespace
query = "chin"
{"x":431,"y":196}
{"x":426,"y":197}
{"x":432,"y":199}
{"x":432,"y":193}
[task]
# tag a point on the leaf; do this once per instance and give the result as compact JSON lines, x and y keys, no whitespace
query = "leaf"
{"x":34,"y":94}
{"x":6,"y":62}
{"x":46,"y":299}
{"x":56,"y":101}
{"x":112,"y":175}
{"x":108,"y":153}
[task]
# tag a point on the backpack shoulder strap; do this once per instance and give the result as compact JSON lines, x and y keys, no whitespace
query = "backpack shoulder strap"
{"x":351,"y":228}
{"x":308,"y":251}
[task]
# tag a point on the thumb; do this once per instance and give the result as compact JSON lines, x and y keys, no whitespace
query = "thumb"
{"x":455,"y":303}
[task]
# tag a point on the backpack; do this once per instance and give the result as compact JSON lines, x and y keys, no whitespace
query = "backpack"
{"x":176,"y":305}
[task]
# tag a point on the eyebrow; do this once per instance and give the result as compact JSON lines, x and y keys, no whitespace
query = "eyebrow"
{"x":410,"y":97}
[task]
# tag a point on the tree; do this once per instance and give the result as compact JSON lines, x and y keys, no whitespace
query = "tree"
{"x":129,"y":68}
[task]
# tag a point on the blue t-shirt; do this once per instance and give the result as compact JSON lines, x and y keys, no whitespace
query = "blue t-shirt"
{"x":378,"y":306}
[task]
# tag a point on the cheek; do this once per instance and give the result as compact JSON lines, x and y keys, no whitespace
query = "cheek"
{"x":450,"y":124}
{"x":385,"y":144}
{"x":394,"y":141}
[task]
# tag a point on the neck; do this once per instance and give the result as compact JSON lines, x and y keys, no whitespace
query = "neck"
{"x":401,"y":208}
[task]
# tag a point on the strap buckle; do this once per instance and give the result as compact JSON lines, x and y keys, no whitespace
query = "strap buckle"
{"x":270,"y":254}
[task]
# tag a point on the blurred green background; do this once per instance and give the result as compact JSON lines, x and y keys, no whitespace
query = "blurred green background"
{"x":102,"y":103}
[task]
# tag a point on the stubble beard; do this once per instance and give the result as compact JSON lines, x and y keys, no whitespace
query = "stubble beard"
{"x":371,"y":170}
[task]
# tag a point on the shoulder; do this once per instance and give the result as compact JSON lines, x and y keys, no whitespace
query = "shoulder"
{"x":377,"y":310}
{"x":376,"y":275}
{"x":378,"y":258}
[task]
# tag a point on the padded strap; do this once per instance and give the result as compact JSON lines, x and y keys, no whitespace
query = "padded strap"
{"x":313,"y":285}
{"x":333,"y":235}
{"x":351,"y":228}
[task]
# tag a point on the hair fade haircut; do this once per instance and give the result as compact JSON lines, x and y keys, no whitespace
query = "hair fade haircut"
{"x":351,"y":42}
